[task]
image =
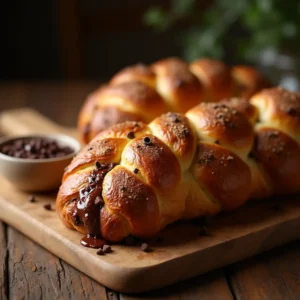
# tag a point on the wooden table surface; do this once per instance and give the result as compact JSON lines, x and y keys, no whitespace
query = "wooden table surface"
{"x":27,"y":271}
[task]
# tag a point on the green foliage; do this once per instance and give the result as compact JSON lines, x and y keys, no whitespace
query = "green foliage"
{"x":264,"y":24}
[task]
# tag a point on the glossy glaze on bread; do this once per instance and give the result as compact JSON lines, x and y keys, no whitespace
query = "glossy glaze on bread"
{"x":215,"y":157}
{"x":142,"y":93}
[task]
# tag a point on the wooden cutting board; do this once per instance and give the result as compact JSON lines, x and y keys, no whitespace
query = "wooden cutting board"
{"x":184,"y":253}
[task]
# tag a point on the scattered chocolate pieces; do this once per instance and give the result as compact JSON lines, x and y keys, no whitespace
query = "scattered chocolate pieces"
{"x":31,"y":199}
{"x":135,"y":171}
{"x":145,"y":247}
{"x":35,"y":148}
{"x":100,"y":252}
{"x":130,"y":135}
{"x":48,"y":206}
{"x":107,"y":249}
{"x":104,"y":250}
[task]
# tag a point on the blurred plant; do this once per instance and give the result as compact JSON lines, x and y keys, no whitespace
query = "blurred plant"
{"x":243,"y":26}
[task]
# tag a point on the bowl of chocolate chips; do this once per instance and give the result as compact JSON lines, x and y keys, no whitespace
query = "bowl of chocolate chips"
{"x":36,"y":162}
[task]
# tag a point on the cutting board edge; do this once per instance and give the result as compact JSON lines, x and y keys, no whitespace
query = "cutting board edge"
{"x":124,"y":279}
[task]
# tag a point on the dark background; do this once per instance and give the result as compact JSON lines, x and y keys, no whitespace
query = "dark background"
{"x":66,"y":39}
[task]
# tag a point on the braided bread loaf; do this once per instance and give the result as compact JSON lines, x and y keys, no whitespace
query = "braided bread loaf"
{"x":142,"y":93}
{"x":135,"y":178}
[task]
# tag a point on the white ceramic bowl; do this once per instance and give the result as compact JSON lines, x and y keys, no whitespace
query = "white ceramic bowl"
{"x":37,"y":174}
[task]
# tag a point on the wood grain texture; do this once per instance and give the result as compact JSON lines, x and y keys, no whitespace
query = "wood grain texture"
{"x":37,"y":274}
{"x":272,"y":275}
{"x":213,"y":285}
{"x":3,"y":263}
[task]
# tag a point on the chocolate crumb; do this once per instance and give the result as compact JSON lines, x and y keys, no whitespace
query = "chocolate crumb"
{"x":203,"y":231}
{"x":217,"y":142}
{"x":98,"y":165}
{"x":48,"y":206}
{"x":251,"y":155}
{"x":145,"y":247}
{"x":130,"y":135}
{"x":107,"y":249}
{"x":186,"y":132}
{"x":98,"y":201}
{"x":291,"y":111}
{"x":100,"y":252}
{"x":123,"y":188}
{"x":147,"y":140}
{"x":135,"y":171}
{"x":31,"y":199}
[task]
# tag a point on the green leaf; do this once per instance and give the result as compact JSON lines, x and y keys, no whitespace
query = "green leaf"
{"x":182,"y":7}
{"x":157,"y":18}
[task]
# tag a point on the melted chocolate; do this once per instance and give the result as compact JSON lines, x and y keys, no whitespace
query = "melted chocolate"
{"x":88,"y":206}
{"x":92,"y":242}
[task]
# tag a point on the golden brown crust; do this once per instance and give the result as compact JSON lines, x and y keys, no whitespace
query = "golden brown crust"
{"x":248,"y":81}
{"x":106,"y":117}
{"x":126,"y":194}
{"x":142,"y":93}
{"x":151,"y":159}
{"x":180,"y":88}
{"x":216,"y":78}
{"x":244,"y":106}
{"x":175,"y":131}
{"x":217,"y":122}
{"x":279,"y":108}
{"x":138,"y":72}
{"x":135,"y":178}
{"x":223,"y":174}
{"x":279,"y":156}
{"x":135,"y":97}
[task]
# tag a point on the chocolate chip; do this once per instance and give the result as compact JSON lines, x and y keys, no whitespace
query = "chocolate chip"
{"x":147,"y":140}
{"x":291,"y":111}
{"x":203,"y":231}
{"x":130,"y":135}
{"x":123,"y":188}
{"x":31,"y":199}
{"x":186,"y":132}
{"x":217,"y":142}
{"x":48,"y":206}
{"x":35,"y":148}
{"x":107,"y":249}
{"x":100,"y":252}
{"x":145,"y":247}
{"x":99,"y":201}
{"x":98,"y":165}
{"x":135,"y":171}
